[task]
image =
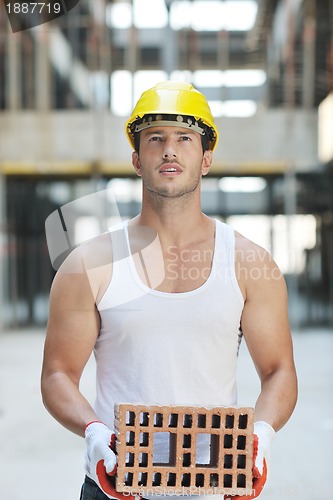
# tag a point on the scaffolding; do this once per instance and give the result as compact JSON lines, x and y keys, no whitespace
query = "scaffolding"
{"x":66,"y":66}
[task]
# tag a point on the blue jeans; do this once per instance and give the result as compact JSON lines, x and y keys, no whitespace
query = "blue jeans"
{"x":90,"y":491}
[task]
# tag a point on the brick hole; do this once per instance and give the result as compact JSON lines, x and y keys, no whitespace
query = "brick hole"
{"x":173,"y":420}
{"x":164,"y":448}
{"x":227,"y":481}
{"x":129,"y":461}
{"x":186,"y":459}
{"x":227,"y":461}
{"x":173,"y":449}
{"x":186,"y":480}
{"x":214,"y":450}
{"x":242,"y":422}
{"x":144,"y":439}
{"x":241,"y":442}
{"x":187,"y":440}
{"x":207,"y":450}
{"x":130,"y":418}
{"x":144,"y":418}
{"x":172,"y":478}
{"x":200,"y":480}
{"x":187,"y":421}
{"x":202,"y":449}
{"x":130,"y":438}
{"x":142,"y":478}
{"x":201,"y":421}
{"x":128,"y":479}
{"x":229,"y":421}
{"x":227,"y":442}
{"x":241,"y":461}
{"x":214,"y":480}
{"x":157,"y":479}
{"x":241,"y":481}
{"x":158,"y":420}
{"x":216,"y":421}
{"x":143,"y":459}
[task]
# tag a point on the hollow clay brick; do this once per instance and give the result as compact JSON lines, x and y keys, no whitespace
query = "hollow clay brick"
{"x":229,"y":438}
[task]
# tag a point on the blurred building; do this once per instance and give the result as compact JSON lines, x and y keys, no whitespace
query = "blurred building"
{"x":66,"y":88}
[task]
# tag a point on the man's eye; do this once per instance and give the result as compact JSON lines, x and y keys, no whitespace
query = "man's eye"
{"x":155,"y":138}
{"x":185,"y":138}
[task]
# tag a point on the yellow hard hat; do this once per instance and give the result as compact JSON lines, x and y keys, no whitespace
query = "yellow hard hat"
{"x":172,"y":103}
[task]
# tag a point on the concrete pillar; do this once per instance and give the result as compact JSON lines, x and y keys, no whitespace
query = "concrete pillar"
{"x":14,"y":80}
{"x":223,"y":58}
{"x":43,"y":93}
{"x":3,"y":246}
{"x":290,"y":209}
{"x":290,"y":71}
{"x":43,"y":71}
{"x":193,"y":50}
{"x":309,"y":54}
{"x":131,"y":56}
{"x":170,"y":47}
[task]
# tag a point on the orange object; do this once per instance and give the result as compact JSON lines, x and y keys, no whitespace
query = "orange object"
{"x":227,"y":434}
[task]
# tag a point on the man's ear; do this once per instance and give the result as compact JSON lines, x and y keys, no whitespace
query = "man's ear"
{"x":206,"y":161}
{"x":136,"y":163}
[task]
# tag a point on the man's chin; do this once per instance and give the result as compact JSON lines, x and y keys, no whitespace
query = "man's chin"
{"x":171,"y":193}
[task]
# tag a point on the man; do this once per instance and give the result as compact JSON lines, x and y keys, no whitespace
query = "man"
{"x":177,"y":342}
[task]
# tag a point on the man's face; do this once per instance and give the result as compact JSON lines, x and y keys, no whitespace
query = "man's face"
{"x":171,"y":161}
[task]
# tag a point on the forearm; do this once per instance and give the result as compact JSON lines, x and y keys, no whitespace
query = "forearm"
{"x":64,"y":401}
{"x":277,"y":398}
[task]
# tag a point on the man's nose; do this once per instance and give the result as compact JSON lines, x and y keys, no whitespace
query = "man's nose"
{"x":169,"y":150}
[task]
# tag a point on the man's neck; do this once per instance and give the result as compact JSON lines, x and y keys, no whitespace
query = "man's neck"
{"x":177,"y":221}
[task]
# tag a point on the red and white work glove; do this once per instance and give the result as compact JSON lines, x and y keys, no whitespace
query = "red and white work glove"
{"x":101,"y":462}
{"x":263,"y":438}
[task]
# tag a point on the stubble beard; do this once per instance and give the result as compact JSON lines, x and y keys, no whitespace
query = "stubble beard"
{"x":165,"y":193}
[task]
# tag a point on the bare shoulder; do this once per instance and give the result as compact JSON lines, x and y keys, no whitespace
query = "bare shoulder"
{"x":88,"y":268}
{"x":255,"y":268}
{"x":249,"y":252}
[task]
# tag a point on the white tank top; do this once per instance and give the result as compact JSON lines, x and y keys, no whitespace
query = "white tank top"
{"x":170,"y":348}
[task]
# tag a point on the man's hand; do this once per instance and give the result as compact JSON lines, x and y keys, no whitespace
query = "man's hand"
{"x":263,"y":437}
{"x":101,"y":461}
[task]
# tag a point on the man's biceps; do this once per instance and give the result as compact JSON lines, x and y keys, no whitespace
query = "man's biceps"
{"x":60,"y":363}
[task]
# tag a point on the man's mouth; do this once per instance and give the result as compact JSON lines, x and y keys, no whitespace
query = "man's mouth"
{"x":170,"y":169}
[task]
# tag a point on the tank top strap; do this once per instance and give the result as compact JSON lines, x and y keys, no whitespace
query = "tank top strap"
{"x":225,"y":258}
{"x":224,"y":244}
{"x":122,"y":288}
{"x":118,"y":235}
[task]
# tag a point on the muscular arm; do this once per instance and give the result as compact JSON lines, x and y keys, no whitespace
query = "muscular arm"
{"x":266,"y":330}
{"x":72,"y":331}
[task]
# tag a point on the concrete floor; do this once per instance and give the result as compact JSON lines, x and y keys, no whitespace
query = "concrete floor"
{"x":39,"y":460}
